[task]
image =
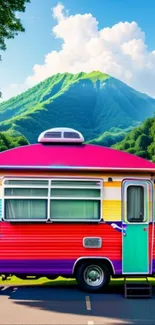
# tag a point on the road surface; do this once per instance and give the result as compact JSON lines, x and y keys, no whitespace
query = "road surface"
{"x":46,"y":305}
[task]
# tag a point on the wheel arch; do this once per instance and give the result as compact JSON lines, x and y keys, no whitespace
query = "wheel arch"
{"x":106,"y":261}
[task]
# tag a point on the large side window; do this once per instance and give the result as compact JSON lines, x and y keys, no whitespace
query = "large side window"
{"x":75,"y":200}
{"x":55,"y":199}
{"x":135,"y":204}
{"x":25,"y":199}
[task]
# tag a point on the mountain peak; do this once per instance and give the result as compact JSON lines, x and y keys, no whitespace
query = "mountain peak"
{"x":91,"y":103}
{"x":96,"y":75}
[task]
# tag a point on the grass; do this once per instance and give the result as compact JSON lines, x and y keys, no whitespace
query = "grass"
{"x":42,"y":281}
{"x":121,"y":281}
{"x":60,"y":281}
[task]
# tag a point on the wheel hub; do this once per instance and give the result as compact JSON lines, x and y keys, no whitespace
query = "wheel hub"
{"x":93,"y":275}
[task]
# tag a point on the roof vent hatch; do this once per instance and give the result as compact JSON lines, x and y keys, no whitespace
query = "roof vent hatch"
{"x":61,"y":135}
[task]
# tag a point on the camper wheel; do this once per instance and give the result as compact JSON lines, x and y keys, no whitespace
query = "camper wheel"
{"x":92,"y":276}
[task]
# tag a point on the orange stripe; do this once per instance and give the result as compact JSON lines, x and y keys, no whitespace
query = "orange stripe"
{"x":112,"y":184}
{"x":43,"y":173}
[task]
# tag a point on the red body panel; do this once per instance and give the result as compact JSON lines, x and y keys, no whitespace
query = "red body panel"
{"x":61,"y":244}
{"x":58,"y":241}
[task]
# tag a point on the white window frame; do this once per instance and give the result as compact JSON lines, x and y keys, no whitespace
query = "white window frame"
{"x":49,"y":186}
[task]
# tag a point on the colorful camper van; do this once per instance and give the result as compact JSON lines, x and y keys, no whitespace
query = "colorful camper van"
{"x":75,"y":210}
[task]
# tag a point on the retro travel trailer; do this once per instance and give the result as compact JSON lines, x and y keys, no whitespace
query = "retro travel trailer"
{"x":75,"y":210}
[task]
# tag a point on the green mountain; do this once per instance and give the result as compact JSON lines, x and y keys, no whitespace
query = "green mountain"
{"x":114,"y":135}
{"x":140,"y":141}
{"x":92,"y":103}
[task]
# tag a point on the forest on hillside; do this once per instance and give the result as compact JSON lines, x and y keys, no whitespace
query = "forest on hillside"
{"x":140,"y":141}
{"x":8,"y":142}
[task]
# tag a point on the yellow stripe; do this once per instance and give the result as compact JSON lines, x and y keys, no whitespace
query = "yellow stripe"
{"x":112,"y":184}
{"x":111,"y":210}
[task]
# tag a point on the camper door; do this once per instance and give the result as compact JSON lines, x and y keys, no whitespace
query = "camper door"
{"x":137,"y":222}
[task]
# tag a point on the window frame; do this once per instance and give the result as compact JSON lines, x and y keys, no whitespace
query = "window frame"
{"x":147,"y":210}
{"x":144,"y":203}
{"x":49,"y":198}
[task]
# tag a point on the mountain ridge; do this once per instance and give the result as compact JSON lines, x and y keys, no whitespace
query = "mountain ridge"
{"x":92,"y":103}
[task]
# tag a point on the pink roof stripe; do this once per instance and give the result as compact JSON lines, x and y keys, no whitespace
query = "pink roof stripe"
{"x":71,"y":156}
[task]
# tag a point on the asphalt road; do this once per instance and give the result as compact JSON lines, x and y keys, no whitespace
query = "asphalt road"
{"x":47,"y":305}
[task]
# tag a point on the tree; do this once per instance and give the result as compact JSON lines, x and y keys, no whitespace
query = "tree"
{"x":126,"y":145}
{"x":131,"y":150}
{"x":8,"y":142}
{"x":142,"y":153}
{"x":142,"y":142}
{"x":21,"y":141}
{"x":134,"y":134}
{"x":10,"y":25}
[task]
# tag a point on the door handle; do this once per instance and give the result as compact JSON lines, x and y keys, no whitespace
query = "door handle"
{"x":145,"y":229}
{"x":124,"y":232}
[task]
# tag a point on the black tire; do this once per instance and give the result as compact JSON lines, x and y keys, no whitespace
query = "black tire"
{"x":88,"y":285}
{"x":27,"y":277}
{"x":52,"y":277}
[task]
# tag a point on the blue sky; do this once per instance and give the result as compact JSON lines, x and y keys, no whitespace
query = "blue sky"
{"x":30,"y":48}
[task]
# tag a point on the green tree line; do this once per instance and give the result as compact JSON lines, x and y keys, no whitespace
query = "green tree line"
{"x":140,"y":141}
{"x":8,"y":142}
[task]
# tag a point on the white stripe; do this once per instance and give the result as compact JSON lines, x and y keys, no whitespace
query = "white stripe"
{"x":88,"y":303}
{"x":90,"y":322}
{"x":112,"y":193}
{"x":4,"y":288}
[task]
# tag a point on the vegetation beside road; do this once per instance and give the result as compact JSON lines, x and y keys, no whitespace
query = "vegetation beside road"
{"x":59,"y":281}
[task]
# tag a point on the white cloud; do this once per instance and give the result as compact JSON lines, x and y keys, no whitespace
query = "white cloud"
{"x":120,"y":51}
{"x":12,"y":90}
{"x":58,"y":12}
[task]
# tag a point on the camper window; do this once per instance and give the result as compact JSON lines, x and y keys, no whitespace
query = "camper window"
{"x":55,"y":199}
{"x":75,"y":200}
{"x":75,"y":209}
{"x":135,"y":203}
{"x":25,"y":209}
{"x":25,"y":199}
